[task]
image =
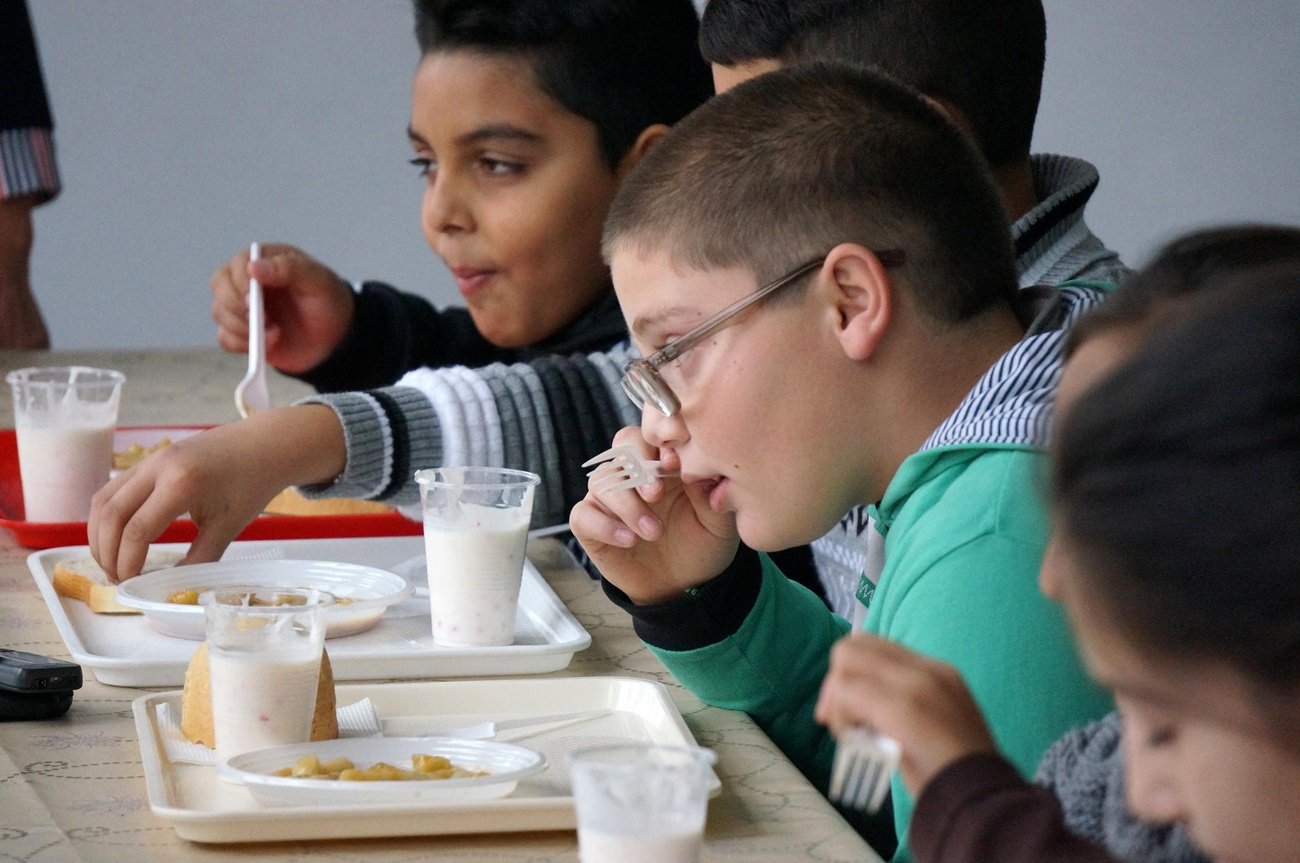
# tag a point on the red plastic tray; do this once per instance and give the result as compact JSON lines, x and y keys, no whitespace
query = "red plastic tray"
{"x":52,"y":534}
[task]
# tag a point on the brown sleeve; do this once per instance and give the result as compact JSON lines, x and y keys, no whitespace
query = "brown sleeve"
{"x":979,"y":809}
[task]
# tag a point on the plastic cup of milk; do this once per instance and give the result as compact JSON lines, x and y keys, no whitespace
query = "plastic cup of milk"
{"x":475,"y":533}
{"x":264,"y":656}
{"x":64,"y":418}
{"x":640,"y":803}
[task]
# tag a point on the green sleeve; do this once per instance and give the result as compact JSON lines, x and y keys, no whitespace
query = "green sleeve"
{"x":772,"y":669}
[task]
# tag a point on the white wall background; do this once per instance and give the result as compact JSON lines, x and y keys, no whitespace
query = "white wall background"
{"x":187,"y":128}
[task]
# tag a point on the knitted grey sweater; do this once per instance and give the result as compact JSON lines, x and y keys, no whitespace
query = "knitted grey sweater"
{"x":1085,"y":770}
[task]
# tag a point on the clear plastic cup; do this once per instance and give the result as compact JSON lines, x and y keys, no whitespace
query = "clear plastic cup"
{"x":475,"y":534}
{"x":64,"y":418}
{"x":264,"y":657}
{"x":640,"y":803}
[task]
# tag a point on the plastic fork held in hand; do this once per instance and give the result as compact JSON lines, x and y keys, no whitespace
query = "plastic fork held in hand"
{"x":251,"y":394}
{"x":621,"y":467}
{"x":864,"y":763}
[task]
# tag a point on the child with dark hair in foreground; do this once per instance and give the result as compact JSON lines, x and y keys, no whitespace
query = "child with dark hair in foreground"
{"x":1173,"y":395}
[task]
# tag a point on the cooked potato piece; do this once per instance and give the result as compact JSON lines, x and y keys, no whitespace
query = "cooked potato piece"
{"x":308,"y":765}
{"x":429,"y":763}
{"x":424,"y":767}
{"x":186,"y":596}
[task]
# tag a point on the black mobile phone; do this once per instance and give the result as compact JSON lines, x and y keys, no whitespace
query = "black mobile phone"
{"x":22,"y":706}
{"x":33,"y":686}
{"x":31,"y":673}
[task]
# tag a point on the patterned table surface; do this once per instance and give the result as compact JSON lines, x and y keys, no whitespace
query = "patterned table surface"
{"x":72,"y":789}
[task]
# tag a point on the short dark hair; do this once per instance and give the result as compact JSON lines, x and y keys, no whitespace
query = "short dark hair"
{"x":782,"y":168}
{"x":1182,"y":268}
{"x":622,"y":64}
{"x":1177,"y":483}
{"x":985,"y":57}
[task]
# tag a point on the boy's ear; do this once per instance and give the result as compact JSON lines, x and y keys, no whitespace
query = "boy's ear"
{"x":649,"y":136}
{"x":864,"y":298}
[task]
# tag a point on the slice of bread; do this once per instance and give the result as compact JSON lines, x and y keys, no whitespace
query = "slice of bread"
{"x":82,"y":578}
{"x":196,"y":701}
{"x":291,"y":502}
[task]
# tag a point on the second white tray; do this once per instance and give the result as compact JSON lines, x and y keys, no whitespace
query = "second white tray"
{"x":123,"y":650}
{"x":202,"y":808}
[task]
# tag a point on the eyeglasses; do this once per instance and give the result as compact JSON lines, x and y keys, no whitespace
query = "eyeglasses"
{"x":642,"y":381}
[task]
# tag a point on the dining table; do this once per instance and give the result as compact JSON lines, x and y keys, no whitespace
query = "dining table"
{"x":73,"y":788}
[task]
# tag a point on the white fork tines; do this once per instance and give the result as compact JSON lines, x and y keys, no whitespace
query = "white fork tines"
{"x":621,"y":467}
{"x":864,"y":762}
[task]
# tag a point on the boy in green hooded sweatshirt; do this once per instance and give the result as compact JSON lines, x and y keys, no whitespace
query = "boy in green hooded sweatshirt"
{"x":886,"y":271}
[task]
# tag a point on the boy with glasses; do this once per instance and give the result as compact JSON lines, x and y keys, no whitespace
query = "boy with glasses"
{"x":890,"y":361}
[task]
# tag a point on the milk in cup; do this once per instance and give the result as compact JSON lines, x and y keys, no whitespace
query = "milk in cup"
{"x":264,"y":656}
{"x":64,"y":419}
{"x":475,"y":534}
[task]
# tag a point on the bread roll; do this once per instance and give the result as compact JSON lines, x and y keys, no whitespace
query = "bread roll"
{"x":196,"y":701}
{"x":84,"y":579}
{"x":290,"y":502}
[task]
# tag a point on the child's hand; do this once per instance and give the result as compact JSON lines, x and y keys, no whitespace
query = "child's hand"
{"x":920,"y":702}
{"x":656,"y":540}
{"x":222,"y":477}
{"x":308,"y":306}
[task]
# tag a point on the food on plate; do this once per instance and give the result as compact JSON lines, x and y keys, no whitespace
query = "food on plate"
{"x":422,"y":767}
{"x":134,"y":454}
{"x":84,"y":579}
{"x":196,"y":701}
{"x":290,"y":502}
{"x":186,"y":596}
{"x":190,"y":596}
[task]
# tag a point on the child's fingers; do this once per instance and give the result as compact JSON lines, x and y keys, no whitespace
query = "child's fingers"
{"x":148,"y":520}
{"x":631,"y":509}
{"x":111,"y":510}
{"x":868,"y":678}
{"x":100,"y":535}
{"x":592,"y":523}
{"x":231,"y":319}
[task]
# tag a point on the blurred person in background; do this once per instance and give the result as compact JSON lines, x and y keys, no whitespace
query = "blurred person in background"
{"x":28,"y":174}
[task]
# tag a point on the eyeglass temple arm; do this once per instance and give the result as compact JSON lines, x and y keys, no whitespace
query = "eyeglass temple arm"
{"x":672,"y":350}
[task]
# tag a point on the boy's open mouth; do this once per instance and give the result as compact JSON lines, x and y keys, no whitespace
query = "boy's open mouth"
{"x":714,"y":490}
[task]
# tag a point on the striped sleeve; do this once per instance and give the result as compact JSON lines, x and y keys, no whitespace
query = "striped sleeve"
{"x":27,"y":165}
{"x":390,"y":433}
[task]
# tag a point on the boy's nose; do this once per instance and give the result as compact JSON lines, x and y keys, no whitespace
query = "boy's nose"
{"x":662,"y":431}
{"x":444,"y":208}
{"x":1149,"y":785}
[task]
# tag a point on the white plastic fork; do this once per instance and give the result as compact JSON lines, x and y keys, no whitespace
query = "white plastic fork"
{"x":251,"y":393}
{"x":489,"y":730}
{"x":864,"y":763}
{"x":621,"y":467}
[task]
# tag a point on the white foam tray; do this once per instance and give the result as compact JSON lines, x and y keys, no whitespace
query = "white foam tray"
{"x":123,"y":650}
{"x":202,"y":808}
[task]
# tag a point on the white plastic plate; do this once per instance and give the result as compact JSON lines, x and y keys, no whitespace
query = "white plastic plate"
{"x":363,"y":593}
{"x":503,"y":763}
